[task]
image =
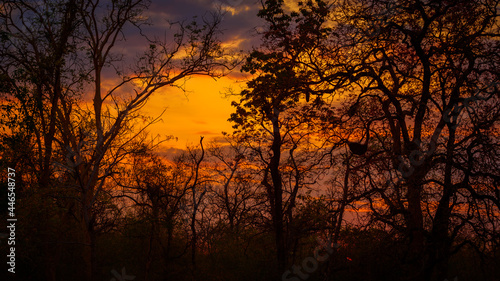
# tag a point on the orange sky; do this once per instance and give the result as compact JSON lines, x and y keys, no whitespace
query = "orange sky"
{"x":202,"y":111}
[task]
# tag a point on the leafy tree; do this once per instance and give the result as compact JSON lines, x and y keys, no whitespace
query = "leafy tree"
{"x":36,"y":43}
{"x":419,"y":84}
{"x":272,"y":118}
{"x":414,"y":67}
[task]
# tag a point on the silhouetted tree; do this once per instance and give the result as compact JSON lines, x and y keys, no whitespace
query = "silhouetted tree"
{"x":235,"y":200}
{"x":48,"y":55}
{"x":407,"y":73}
{"x":36,"y":43}
{"x":283,"y":132}
{"x":414,"y":68}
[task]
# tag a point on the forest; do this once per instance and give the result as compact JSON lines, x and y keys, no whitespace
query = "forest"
{"x":365,"y":144}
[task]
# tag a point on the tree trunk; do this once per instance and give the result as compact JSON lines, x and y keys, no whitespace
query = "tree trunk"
{"x":414,"y":225}
{"x":277,"y":196}
{"x":89,"y":254}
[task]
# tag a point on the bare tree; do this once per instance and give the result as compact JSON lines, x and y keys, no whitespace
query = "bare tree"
{"x":235,"y":198}
{"x":156,"y":188}
{"x":81,"y":36}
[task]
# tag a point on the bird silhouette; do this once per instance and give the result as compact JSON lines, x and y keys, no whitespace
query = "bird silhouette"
{"x":360,"y":148}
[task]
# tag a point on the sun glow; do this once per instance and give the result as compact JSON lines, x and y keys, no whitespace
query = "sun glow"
{"x":202,"y":110}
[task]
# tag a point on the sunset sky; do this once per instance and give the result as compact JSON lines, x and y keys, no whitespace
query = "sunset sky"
{"x":368,"y":126}
{"x":203,"y":109}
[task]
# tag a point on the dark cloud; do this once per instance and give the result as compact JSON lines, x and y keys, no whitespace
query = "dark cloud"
{"x":242,"y":23}
{"x":237,"y":27}
{"x":239,"y":21}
